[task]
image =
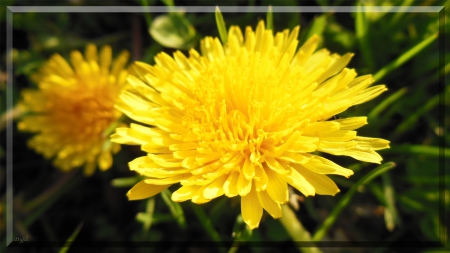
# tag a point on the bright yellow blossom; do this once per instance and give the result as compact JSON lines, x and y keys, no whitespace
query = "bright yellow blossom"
{"x":243,"y":119}
{"x":73,"y":106}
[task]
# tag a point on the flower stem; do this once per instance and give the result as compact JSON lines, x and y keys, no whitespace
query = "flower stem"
{"x":296,"y":230}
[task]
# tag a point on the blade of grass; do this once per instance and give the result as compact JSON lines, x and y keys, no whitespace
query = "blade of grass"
{"x":269,"y":18}
{"x":125,"y":181}
{"x":400,"y":13}
{"x":44,"y":205}
{"x":414,"y":117}
{"x":221,"y":26}
{"x":383,"y":105}
{"x":149,"y":209}
{"x":50,"y":192}
{"x":345,"y":200}
{"x":147,"y":16}
{"x":418,"y":150}
{"x":362,"y":35}
{"x":390,"y":215}
{"x":69,"y":241}
{"x":296,"y":230}
{"x":404,"y":58}
{"x":207,"y":225}
{"x":317,"y":27}
{"x":174,"y":207}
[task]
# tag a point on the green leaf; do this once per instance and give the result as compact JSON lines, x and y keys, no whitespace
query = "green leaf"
{"x":174,"y":207}
{"x":345,"y":200}
{"x":173,"y":31}
{"x":221,"y":26}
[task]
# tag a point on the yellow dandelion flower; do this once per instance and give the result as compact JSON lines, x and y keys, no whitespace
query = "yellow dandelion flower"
{"x":243,"y":119}
{"x":73,"y":106}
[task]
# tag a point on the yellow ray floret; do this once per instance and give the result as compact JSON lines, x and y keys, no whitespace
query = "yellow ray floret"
{"x":242,"y":119}
{"x":73,"y":106}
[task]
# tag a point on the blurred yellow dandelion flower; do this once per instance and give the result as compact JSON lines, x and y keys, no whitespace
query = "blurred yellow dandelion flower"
{"x":73,"y":106}
{"x":242,"y":119}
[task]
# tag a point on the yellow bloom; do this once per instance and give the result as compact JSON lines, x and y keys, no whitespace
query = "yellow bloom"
{"x":73,"y":107}
{"x":242,"y":119}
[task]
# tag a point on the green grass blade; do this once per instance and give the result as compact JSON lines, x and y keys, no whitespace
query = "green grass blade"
{"x":404,"y":58}
{"x":390,"y":215}
{"x":174,"y":207}
{"x":149,"y":210}
{"x":207,"y":225}
{"x":318,"y":26}
{"x":383,"y":105}
{"x":269,"y":18}
{"x":296,"y":230}
{"x":125,"y":181}
{"x":402,"y":10}
{"x":221,"y":26}
{"x":147,"y":16}
{"x":418,"y":150}
{"x":411,"y":120}
{"x":362,"y":36}
{"x":72,"y":237}
{"x":345,"y":200}
{"x":168,"y":2}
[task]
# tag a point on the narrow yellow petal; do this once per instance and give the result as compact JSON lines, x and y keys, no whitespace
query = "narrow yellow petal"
{"x":251,"y":209}
{"x":299,"y":182}
{"x":371,"y":143}
{"x":368,"y":94}
{"x":91,"y":53}
{"x":321,"y":165}
{"x":105,"y":160}
{"x":185,"y":193}
{"x":215,"y":189}
{"x":198,"y":197}
{"x":351,"y":123}
{"x":168,"y":180}
{"x":119,"y":63}
{"x":272,"y":207}
{"x":105,"y":59}
{"x":243,"y":185}
{"x":248,"y":169}
{"x":322,"y":184}
{"x":142,"y":190}
{"x":277,"y":187}
{"x":230,"y":185}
